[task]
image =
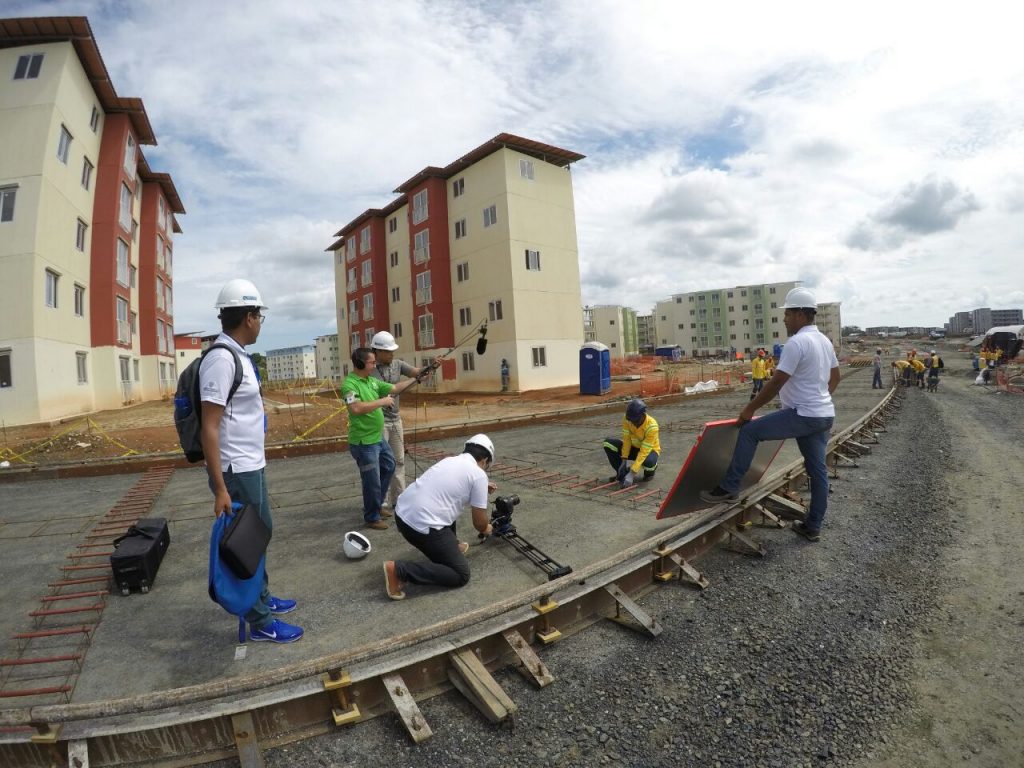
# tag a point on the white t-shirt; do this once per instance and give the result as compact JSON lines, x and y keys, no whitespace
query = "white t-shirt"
{"x":808,"y":358}
{"x":438,"y":497}
{"x":242,"y":427}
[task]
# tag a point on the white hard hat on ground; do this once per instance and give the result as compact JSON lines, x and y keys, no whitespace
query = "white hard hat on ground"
{"x":239,"y":293}
{"x":383,"y":340}
{"x":484,"y":442}
{"x":800,"y":298}
{"x":356,"y":545}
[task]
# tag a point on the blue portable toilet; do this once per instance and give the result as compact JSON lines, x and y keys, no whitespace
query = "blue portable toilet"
{"x":595,"y":369}
{"x":776,"y":350}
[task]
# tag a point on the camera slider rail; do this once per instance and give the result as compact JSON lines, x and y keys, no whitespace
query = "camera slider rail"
{"x":552,"y":568}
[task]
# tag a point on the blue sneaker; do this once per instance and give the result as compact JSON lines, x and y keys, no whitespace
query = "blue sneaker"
{"x":280,"y":605}
{"x":276,"y":632}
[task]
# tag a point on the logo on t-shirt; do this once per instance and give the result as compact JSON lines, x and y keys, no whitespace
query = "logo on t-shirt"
{"x":351,"y":397}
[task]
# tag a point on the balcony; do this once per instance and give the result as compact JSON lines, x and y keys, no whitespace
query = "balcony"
{"x":421,"y":255}
{"x":353,"y":318}
{"x":124,"y":332}
{"x":423,"y":295}
{"x":425,"y":339}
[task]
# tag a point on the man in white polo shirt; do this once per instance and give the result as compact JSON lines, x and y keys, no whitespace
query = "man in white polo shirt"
{"x":426,"y":513}
{"x":232,"y":433}
{"x":806,"y":377}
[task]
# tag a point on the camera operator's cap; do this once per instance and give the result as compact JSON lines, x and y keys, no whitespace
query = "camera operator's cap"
{"x":800,"y":298}
{"x":484,"y":442}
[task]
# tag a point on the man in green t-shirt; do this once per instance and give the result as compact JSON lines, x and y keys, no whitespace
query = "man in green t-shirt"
{"x":366,"y":396}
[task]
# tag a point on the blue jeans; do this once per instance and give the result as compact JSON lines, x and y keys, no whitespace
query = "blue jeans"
{"x":876,"y":382}
{"x":811,"y":433}
{"x":376,"y":465}
{"x":251,"y":488}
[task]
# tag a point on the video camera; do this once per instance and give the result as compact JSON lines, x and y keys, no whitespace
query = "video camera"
{"x":502,"y":528}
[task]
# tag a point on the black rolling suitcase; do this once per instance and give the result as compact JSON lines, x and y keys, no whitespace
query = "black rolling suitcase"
{"x":137,"y":555}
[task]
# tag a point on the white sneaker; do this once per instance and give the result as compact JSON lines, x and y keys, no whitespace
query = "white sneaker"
{"x":385,"y":505}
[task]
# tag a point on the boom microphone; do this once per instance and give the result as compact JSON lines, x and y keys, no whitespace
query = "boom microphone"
{"x":481,"y":343}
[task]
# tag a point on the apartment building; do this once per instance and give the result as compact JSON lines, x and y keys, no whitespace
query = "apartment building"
{"x":291,"y":363}
{"x":614,"y":326}
{"x":959,"y":324}
{"x":86,"y":232}
{"x":328,"y":359}
{"x":829,"y":322}
{"x":189,"y":347}
{"x":487,"y":241}
{"x":646,"y":335}
{"x":722,"y":321}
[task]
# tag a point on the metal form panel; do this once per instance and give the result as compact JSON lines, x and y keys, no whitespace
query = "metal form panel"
{"x":706,"y":464}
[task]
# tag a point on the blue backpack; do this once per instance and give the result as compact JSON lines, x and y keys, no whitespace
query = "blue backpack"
{"x":234,"y":595}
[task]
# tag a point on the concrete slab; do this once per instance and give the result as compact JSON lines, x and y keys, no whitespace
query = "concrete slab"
{"x":175,"y":636}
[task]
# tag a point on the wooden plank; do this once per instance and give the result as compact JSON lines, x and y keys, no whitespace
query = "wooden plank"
{"x":641,"y":619}
{"x":405,"y":705}
{"x":471,"y":678}
{"x":78,"y":753}
{"x":530,"y":666}
{"x":249,"y":753}
{"x":691,"y":573}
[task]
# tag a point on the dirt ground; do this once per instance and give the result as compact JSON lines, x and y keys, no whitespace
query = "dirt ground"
{"x":148,"y":428}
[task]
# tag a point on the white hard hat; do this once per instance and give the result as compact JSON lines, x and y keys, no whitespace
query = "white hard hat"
{"x":800,"y":298}
{"x":356,"y":545}
{"x":383,"y":340}
{"x":484,"y":442}
{"x":239,"y":293}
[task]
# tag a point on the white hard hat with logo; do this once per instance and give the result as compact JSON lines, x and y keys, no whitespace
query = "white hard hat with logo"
{"x":800,"y":298}
{"x":239,"y":293}
{"x":383,"y":340}
{"x":356,"y":545}
{"x":484,"y":442}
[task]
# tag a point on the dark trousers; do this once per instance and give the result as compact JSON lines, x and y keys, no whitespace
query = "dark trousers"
{"x":447,"y":567}
{"x":876,"y":382}
{"x":613,"y":450}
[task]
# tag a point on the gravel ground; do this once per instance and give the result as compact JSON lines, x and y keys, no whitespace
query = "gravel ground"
{"x":892,"y":642}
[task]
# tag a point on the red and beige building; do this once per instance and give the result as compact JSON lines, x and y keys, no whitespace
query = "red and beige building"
{"x":488,"y":241}
{"x":86,"y":232}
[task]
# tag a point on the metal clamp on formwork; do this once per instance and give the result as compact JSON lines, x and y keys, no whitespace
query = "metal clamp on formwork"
{"x":336,"y":681}
{"x":547,"y":634}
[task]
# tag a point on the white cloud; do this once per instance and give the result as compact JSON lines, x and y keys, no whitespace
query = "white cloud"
{"x":726,"y":143}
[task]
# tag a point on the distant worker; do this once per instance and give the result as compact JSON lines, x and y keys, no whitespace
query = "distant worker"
{"x":902,"y":369}
{"x":233,"y":433}
{"x":426,"y":516}
{"x":504,"y":375}
{"x":366,"y":396}
{"x":639,"y":447}
{"x":757,"y":373}
{"x":933,"y":371}
{"x":391,"y":370}
{"x":876,"y":364}
{"x":919,"y":369}
{"x":807,"y":375}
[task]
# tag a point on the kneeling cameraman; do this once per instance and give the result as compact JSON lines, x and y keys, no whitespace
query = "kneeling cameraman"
{"x":426,"y":513}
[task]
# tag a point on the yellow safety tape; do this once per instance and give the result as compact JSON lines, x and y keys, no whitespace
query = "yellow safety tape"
{"x":33,"y":449}
{"x":317,"y":426}
{"x":98,"y":428}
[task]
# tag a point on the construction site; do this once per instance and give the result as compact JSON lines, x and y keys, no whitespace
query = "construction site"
{"x":715,"y":637}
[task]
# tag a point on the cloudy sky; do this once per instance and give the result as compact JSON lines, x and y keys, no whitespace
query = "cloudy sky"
{"x":872,"y":151}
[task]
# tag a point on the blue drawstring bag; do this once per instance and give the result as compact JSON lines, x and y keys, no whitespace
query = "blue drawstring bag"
{"x":236,"y":596}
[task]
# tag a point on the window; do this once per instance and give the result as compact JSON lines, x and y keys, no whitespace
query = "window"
{"x":460,"y":229}
{"x":691,"y":299}
{"x":759,"y":324}
{"x":394,"y":258}
{"x":771,"y":289}
{"x":7,"y":196}
{"x":426,"y":325}
{"x":82,"y":364}
{"x":526,"y":168}
{"x":123,"y":330}
{"x":465,"y":316}
{"x":494,"y":309}
{"x":421,"y":246}
{"x":540,"y":358}
{"x":458,"y":187}
{"x":532,"y":260}
{"x":702,"y":297}
{"x":396,"y":330}
{"x":395,"y":295}
{"x":681,"y":326}
{"x":468,"y":363}
{"x":28,"y":66}
{"x":129,"y":155}
{"x":5,"y":368}
{"x":745,"y":307}
{"x":355,"y":340}
{"x":775,"y":334}
{"x":364,"y":239}
{"x":125,"y":215}
{"x":729,"y":294}
{"x":743,"y":293}
{"x":64,"y":145}
{"x":368,"y":306}
{"x":758,"y":309}
{"x":393,"y":224}
{"x":132,"y":275}
{"x":51,"y":288}
{"x":135,"y":231}
{"x":716,"y":312}
{"x":693,"y":312}
{"x":462,"y":271}
{"x":133,"y":322}
{"x":367,"y":272}
{"x":94,"y":121}
{"x":732,"y":337}
{"x":423,"y":289}
{"x":714,"y":298}
{"x":732,"y":322}
{"x":122,"y":262}
{"x":80,"y":235}
{"x":679,"y":299}
{"x":775,"y":319}
{"x":757,"y":293}
{"x":419,"y":206}
{"x":775,"y":305}
{"x":490,"y":215}
{"x":168,"y":306}
{"x":351,"y":280}
{"x":79,"y":300}
{"x":353,"y":311}
{"x":87,"y":168}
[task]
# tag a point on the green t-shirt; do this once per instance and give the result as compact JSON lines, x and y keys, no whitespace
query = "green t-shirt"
{"x":368,"y":428}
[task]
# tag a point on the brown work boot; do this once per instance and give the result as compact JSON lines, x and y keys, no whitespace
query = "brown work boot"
{"x":386,"y":513}
{"x":391,"y":583}
{"x":378,"y":525}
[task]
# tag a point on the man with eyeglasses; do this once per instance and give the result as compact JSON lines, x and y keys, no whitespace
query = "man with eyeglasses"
{"x":234,"y":428}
